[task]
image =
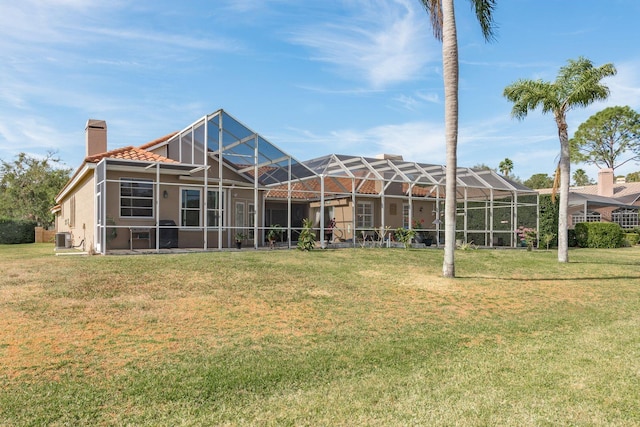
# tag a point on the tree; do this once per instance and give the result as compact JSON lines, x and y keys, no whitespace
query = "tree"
{"x":482,"y":166}
{"x":28,"y":187}
{"x":606,"y":137}
{"x":443,"y":24}
{"x":633,"y":177}
{"x":577,"y":85}
{"x":539,"y":180}
{"x":506,"y":166}
{"x":580,"y":178}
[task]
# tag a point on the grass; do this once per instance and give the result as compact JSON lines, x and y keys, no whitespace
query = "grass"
{"x":349,"y":337}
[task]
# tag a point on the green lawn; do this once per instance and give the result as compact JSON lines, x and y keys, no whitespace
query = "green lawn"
{"x":348,"y":337}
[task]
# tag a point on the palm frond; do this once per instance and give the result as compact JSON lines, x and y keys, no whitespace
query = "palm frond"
{"x":434,"y":9}
{"x":556,"y":184}
{"x":484,"y":12}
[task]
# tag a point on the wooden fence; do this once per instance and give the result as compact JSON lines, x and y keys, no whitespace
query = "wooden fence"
{"x":45,"y":236}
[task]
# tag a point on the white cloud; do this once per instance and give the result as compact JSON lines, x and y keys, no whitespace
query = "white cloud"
{"x":625,"y":85}
{"x":417,"y":141}
{"x":382,"y":42}
{"x":416,"y":101}
{"x":32,"y":134}
{"x":164,"y":39}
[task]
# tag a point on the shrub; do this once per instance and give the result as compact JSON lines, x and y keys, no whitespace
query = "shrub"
{"x":549,"y":218}
{"x":14,"y":231}
{"x":307,"y":238}
{"x":599,"y":235}
{"x":571,"y":237}
{"x":404,"y":236}
{"x":632,"y":239}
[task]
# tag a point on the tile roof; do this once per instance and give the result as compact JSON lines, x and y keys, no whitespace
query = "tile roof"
{"x":628,"y":192}
{"x":310,"y":189}
{"x":129,"y":153}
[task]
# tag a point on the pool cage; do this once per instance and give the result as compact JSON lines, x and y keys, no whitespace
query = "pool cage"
{"x":217,"y":180}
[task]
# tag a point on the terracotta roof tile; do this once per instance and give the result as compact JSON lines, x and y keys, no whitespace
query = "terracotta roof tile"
{"x":130,"y":153}
{"x":311,"y":189}
{"x":419,"y":191}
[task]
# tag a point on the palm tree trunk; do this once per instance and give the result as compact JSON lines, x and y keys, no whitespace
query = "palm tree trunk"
{"x":450,"y":71}
{"x":563,"y":212}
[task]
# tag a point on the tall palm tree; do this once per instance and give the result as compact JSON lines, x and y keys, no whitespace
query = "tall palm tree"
{"x":506,"y":166}
{"x":577,"y":85}
{"x":443,"y":23}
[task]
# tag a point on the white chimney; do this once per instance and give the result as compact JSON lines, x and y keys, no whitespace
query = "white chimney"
{"x":605,"y":182}
{"x":96,"y":137}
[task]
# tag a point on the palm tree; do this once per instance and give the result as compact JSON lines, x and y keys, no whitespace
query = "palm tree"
{"x":506,"y":166}
{"x":580,"y":178}
{"x":577,"y":85}
{"x":443,"y":24}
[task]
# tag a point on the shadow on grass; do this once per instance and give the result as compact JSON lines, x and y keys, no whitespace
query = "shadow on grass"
{"x":606,"y":262}
{"x":549,"y":279}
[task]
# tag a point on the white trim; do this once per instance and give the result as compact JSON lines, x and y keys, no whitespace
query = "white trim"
{"x":75,"y":180}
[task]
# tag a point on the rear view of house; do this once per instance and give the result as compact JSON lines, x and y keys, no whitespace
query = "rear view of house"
{"x":216,"y":182}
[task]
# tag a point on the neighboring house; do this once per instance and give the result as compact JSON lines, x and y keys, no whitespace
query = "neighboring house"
{"x":608,"y":201}
{"x":217,"y":180}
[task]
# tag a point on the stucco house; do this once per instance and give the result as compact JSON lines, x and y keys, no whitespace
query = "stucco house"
{"x":609,"y":200}
{"x":216,"y":180}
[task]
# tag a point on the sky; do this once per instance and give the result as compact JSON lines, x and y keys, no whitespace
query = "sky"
{"x":314,"y":77}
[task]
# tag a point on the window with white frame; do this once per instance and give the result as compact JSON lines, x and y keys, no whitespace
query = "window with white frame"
{"x":364,"y":215}
{"x":190,"y":207}
{"x":626,"y":218}
{"x":214,"y":208}
{"x":136,"y":198}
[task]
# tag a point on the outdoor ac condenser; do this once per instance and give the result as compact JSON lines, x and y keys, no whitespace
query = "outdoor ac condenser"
{"x":60,"y":240}
{"x":63,"y":240}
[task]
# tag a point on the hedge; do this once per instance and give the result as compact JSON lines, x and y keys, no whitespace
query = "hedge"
{"x":632,"y":238}
{"x":599,"y":235}
{"x":14,"y":231}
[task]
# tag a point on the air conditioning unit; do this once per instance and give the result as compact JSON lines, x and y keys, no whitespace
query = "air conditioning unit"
{"x":60,"y":240}
{"x":63,"y":240}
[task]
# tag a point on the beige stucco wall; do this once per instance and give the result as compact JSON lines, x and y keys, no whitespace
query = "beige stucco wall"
{"x":79,"y":221}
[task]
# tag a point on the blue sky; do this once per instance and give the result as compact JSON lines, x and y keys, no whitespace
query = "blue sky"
{"x":357,"y":77}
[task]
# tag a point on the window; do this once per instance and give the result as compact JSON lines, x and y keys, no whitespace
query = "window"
{"x":364,"y":215}
{"x":239,"y":217}
{"x":627,"y":218}
{"x":190,"y":207}
{"x":136,"y":198}
{"x":214,"y":208}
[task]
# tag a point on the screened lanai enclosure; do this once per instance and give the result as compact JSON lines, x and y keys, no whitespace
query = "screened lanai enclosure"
{"x":217,"y":182}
